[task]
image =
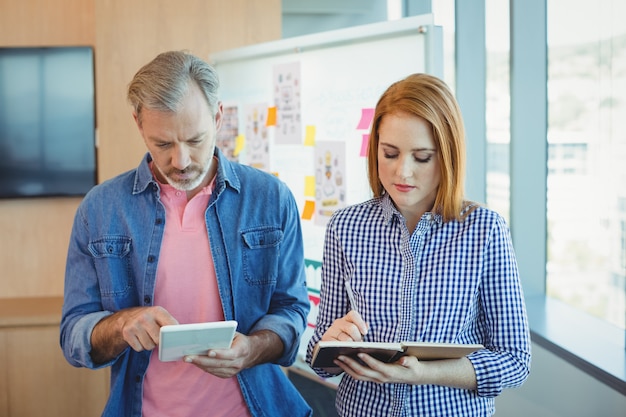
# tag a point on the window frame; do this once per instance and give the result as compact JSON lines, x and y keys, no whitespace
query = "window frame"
{"x":586,"y":342}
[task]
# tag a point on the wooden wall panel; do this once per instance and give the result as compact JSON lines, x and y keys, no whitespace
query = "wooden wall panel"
{"x":126,"y":34}
{"x":34,"y":235}
{"x":4,"y":376}
{"x":42,"y":383}
{"x":34,"y":232}
{"x":46,"y":22}
{"x":129,"y":34}
{"x":34,"y":377}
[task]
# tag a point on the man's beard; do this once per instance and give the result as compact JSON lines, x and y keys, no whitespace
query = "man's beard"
{"x":187,"y":184}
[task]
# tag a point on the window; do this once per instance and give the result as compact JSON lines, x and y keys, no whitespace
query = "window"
{"x":586,"y":184}
{"x":562,"y":191}
{"x":497,"y":106}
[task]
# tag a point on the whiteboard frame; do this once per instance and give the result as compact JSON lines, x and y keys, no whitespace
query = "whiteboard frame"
{"x":423,"y":24}
{"x":430,"y":38}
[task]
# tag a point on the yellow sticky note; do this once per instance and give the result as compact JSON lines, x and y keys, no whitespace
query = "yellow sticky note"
{"x":271,"y":116}
{"x":309,"y":186}
{"x":309,"y":209}
{"x":240,"y":142}
{"x":309,"y":138}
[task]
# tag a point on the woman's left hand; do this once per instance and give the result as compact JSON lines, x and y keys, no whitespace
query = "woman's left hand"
{"x":405,"y":370}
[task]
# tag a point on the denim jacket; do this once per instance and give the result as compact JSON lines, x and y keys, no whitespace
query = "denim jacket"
{"x":255,"y":235}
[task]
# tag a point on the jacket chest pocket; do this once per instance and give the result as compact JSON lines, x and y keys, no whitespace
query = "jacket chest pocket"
{"x":261,"y":251}
{"x":111,"y":256}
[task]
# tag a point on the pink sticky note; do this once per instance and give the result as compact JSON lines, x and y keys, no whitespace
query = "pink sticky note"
{"x":366,"y":118}
{"x":364,"y":144}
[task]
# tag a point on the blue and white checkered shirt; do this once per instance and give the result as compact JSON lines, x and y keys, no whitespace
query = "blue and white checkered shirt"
{"x":454,"y":282}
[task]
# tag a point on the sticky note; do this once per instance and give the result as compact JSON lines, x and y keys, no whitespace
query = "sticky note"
{"x":309,"y":138}
{"x":309,"y":209}
{"x":240,"y":142}
{"x":271,"y":116}
{"x":364,"y":144}
{"x":366,"y":118}
{"x":309,"y":186}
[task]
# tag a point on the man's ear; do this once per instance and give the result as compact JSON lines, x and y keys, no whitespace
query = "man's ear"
{"x":137,"y":122}
{"x":218,"y":116}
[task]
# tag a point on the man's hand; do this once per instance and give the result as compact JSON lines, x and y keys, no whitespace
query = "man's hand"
{"x":137,"y":327}
{"x":245,"y":352}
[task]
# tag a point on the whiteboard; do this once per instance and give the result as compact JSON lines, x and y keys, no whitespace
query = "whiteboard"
{"x":341,"y":74}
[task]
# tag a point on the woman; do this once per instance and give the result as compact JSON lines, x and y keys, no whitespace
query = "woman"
{"x":423,"y":264}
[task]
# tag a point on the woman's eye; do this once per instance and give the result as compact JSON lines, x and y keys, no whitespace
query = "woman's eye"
{"x":424,"y":160}
{"x":390,"y":155}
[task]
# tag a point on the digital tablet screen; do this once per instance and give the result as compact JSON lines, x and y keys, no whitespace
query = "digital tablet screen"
{"x":176,"y":341}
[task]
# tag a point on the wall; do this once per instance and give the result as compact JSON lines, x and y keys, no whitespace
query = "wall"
{"x":34,"y":233}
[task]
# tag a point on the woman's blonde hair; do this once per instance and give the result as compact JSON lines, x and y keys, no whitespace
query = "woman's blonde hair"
{"x":430,"y":98}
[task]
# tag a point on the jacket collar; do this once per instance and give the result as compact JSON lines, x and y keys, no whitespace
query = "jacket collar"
{"x":226,"y":175}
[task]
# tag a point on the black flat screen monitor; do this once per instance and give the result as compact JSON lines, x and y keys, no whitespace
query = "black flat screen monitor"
{"x":47,"y":121}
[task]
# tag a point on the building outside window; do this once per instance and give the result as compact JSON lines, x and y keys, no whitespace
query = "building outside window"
{"x":586,"y":181}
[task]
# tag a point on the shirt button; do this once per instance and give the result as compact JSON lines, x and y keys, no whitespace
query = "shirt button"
{"x":146,"y":300}
{"x":150,"y":258}
{"x":158,"y":221}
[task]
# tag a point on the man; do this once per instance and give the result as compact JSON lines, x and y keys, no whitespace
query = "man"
{"x":186,"y":237}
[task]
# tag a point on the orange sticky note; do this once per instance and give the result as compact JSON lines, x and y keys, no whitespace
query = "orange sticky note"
{"x":309,"y":138}
{"x":271,"y":116}
{"x":309,"y":209}
{"x":366,"y":118}
{"x":364,"y":144}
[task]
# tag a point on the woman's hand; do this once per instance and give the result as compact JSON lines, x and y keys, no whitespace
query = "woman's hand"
{"x":405,"y":370}
{"x":455,"y":373}
{"x":350,"y":327}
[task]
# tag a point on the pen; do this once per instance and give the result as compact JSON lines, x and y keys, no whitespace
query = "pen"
{"x":350,"y":296}
{"x":353,"y":304}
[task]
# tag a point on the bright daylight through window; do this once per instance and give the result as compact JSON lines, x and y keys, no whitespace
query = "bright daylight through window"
{"x":586,"y":153}
{"x":586,"y":134}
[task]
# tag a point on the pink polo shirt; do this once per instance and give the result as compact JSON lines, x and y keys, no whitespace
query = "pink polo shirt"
{"x":186,"y":286}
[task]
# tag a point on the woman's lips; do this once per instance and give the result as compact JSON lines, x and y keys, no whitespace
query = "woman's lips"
{"x":403,"y":188}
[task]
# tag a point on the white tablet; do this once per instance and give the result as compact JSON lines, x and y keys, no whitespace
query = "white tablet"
{"x":178,"y":340}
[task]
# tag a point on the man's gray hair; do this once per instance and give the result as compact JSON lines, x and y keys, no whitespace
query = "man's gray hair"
{"x":162,"y":83}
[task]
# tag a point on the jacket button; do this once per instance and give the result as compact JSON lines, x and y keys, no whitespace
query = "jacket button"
{"x":150,"y":258}
{"x":146,"y":300}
